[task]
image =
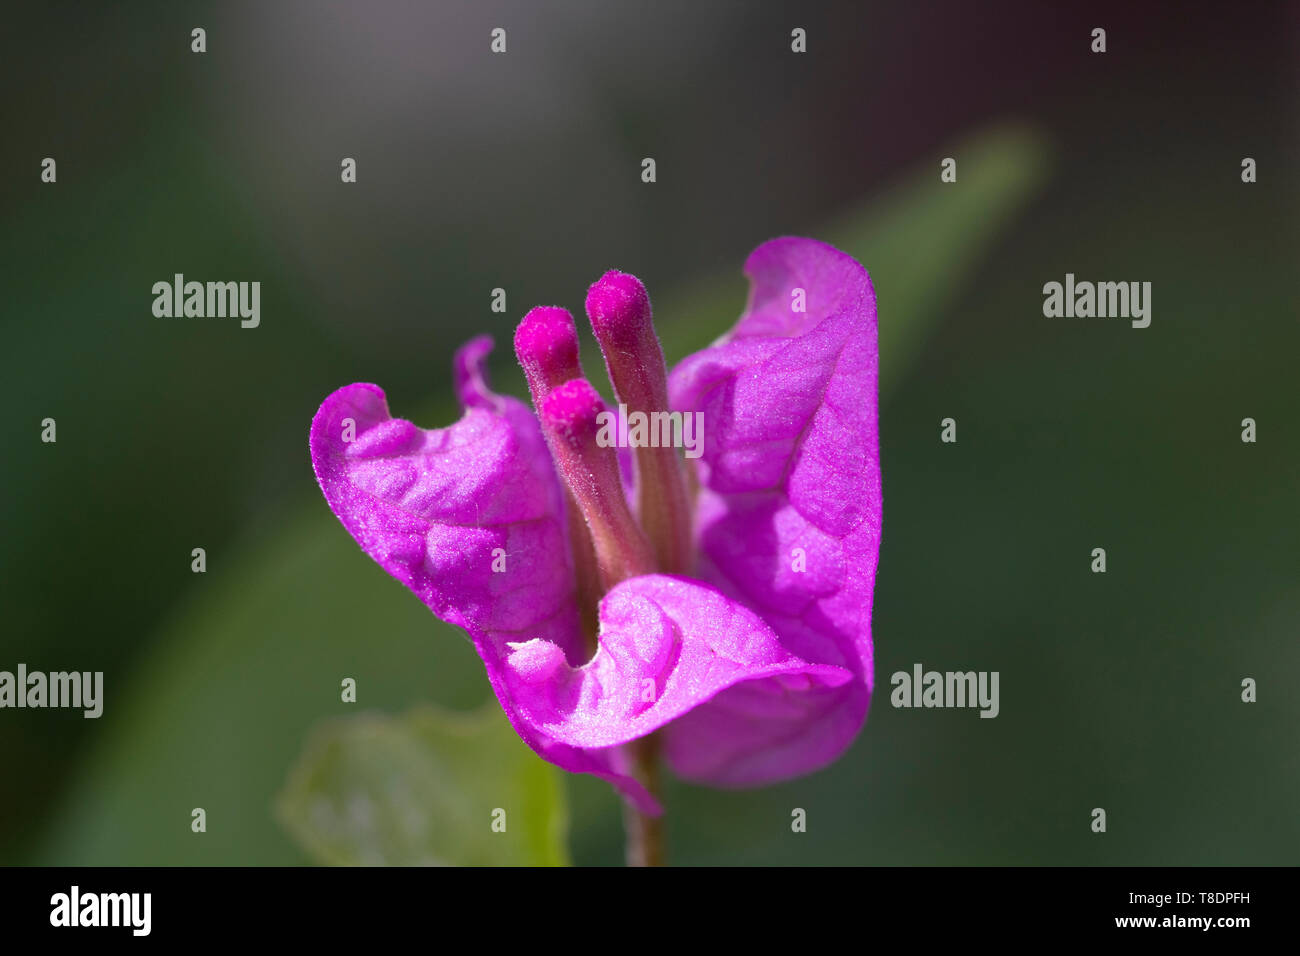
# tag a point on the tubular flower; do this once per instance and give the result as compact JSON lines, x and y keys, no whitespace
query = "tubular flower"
{"x":615,"y":587}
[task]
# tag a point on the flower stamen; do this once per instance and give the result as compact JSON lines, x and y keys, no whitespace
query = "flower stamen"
{"x":590,"y":469}
{"x":546,"y":343}
{"x":619,"y":309}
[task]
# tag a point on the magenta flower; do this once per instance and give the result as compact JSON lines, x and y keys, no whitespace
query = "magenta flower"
{"x":721,"y":602}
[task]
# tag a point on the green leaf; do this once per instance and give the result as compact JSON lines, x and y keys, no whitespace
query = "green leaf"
{"x":429,"y":788}
{"x":920,"y":241}
{"x":239,"y":676}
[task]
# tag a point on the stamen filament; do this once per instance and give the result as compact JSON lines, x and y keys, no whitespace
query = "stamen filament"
{"x":569,"y":421}
{"x":546,"y":344}
{"x":619,"y":309}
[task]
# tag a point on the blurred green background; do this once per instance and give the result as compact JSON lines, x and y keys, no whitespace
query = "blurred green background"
{"x":521,"y":171}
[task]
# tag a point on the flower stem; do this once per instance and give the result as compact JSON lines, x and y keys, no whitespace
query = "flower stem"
{"x":645,"y":834}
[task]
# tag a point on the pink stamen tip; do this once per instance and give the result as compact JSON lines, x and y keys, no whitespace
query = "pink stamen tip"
{"x":546,"y":344}
{"x":570,"y":411}
{"x":619,"y":309}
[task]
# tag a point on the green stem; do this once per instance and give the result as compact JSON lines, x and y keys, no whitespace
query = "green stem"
{"x":645,"y":834}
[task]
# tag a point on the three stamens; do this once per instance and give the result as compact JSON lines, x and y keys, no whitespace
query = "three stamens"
{"x":608,"y":543}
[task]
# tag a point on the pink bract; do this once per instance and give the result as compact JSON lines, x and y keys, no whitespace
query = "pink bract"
{"x":755,"y":668}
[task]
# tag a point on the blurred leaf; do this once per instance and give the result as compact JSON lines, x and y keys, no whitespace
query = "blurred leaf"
{"x":234,"y":685}
{"x":919,"y":241}
{"x":425,"y":789}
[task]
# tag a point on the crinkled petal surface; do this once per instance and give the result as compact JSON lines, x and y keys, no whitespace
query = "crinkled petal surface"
{"x":789,"y":513}
{"x":433,"y":508}
{"x":667,"y":644}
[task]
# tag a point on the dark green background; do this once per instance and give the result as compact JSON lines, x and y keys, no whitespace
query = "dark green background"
{"x":522,"y":171}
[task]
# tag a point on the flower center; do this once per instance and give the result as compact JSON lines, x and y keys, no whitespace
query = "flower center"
{"x":608,"y":543}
